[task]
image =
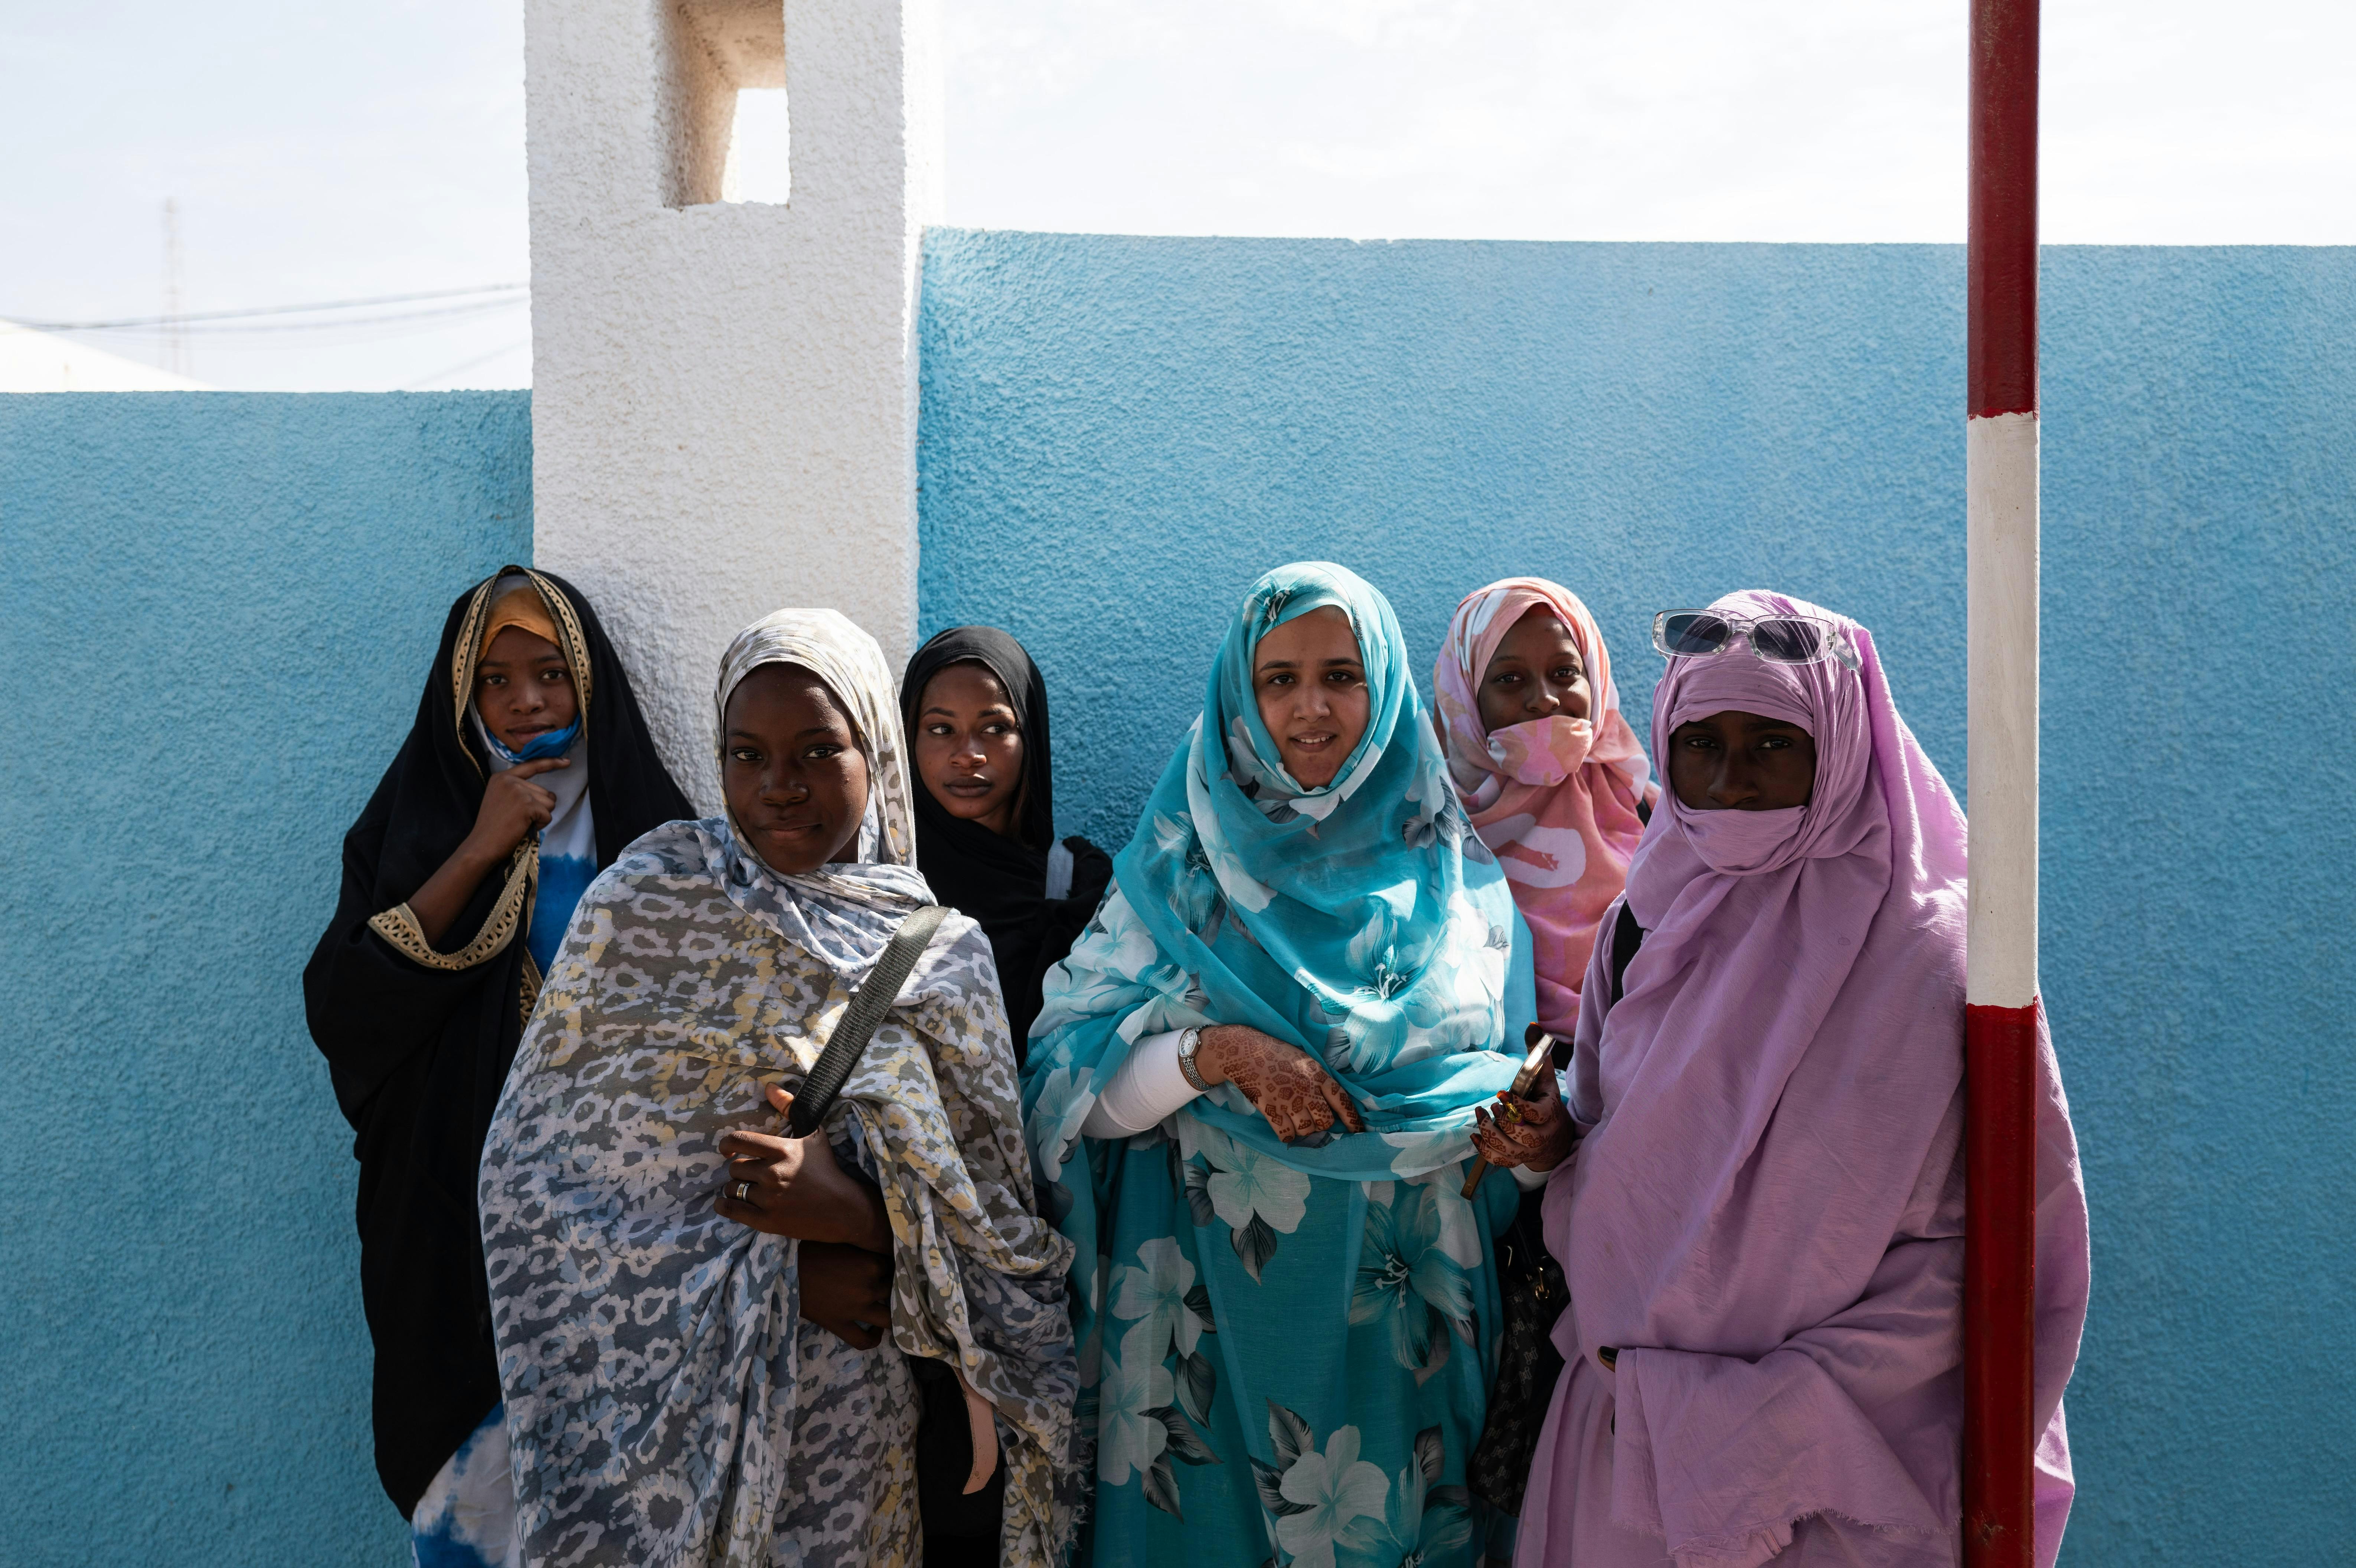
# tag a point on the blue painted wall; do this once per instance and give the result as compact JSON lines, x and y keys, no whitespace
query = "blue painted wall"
{"x":217,"y":610}
{"x":218,"y":613}
{"x":1118,"y":433}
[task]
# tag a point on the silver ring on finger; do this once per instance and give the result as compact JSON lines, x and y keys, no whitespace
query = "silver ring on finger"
{"x":744,"y":1192}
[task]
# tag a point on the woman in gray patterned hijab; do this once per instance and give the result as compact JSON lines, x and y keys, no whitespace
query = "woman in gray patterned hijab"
{"x":693,"y":1374}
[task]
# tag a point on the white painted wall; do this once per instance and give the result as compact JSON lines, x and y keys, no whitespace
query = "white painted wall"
{"x":724,"y":395}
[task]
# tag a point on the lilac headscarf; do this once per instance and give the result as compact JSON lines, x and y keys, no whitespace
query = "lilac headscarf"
{"x":1765,"y":1219}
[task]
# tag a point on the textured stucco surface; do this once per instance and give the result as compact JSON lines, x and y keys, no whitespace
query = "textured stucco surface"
{"x":1118,"y":433}
{"x":724,"y":395}
{"x":219,"y":610}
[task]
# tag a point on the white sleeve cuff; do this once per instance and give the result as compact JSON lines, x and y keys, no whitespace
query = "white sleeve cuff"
{"x":1529,"y":1180}
{"x":1147,"y":1089}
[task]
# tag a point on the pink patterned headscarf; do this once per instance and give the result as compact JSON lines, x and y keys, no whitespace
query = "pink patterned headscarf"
{"x":1554,"y":799}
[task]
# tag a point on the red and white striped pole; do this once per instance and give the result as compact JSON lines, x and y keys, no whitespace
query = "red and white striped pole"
{"x":2000,"y":990}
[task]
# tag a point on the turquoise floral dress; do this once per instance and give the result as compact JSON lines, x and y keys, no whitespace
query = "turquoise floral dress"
{"x":1285,"y":1350}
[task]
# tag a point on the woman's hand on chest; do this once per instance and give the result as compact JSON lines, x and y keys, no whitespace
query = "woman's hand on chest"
{"x":1291,"y":1089}
{"x":796,"y":1186}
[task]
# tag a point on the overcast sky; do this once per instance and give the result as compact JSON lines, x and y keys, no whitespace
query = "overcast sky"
{"x":331,"y":152}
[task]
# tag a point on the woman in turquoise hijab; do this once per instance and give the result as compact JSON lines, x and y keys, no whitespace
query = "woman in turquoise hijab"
{"x":1248,"y":1095}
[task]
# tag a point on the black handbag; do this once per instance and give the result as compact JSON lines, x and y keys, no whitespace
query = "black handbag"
{"x":965,"y":1524}
{"x":1528,"y":1366}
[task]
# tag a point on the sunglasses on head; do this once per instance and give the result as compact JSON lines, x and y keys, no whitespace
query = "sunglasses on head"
{"x":1778,"y":639}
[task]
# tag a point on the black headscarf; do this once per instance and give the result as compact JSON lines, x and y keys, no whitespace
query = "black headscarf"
{"x":1002,"y":882}
{"x":419,"y":1054}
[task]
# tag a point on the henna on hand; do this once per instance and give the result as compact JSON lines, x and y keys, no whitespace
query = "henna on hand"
{"x":1285,"y":1085}
{"x":1536,"y":1132}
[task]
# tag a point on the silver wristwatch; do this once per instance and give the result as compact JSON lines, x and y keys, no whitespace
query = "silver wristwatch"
{"x":1188,"y":1043}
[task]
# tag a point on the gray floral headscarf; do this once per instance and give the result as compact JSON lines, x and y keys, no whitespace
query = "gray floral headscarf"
{"x":666,"y":1402}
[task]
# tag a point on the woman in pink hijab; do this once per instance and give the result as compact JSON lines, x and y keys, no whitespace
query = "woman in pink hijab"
{"x":1545,"y":766}
{"x":1761,"y":1217}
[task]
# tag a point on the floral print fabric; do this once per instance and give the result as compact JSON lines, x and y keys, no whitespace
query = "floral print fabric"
{"x":1283,"y":1368}
{"x":665,"y":1402}
{"x":1221,"y":1275}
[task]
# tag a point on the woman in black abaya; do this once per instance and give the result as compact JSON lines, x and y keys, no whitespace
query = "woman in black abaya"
{"x":528,"y":770}
{"x":977,"y":715}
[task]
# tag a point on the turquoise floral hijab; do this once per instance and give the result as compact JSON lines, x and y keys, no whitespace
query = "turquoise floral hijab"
{"x":1285,"y":1350}
{"x":1375,"y":926}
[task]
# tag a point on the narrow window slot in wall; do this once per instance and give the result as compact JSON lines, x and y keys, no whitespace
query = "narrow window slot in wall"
{"x":724,"y":103}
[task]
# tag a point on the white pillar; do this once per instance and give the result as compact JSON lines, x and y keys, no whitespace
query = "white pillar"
{"x":724,"y":395}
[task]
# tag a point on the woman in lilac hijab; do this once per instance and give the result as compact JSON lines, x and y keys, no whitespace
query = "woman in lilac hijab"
{"x":1761,"y":1217}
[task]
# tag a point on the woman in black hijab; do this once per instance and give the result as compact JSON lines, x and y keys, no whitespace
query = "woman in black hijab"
{"x":528,"y":759}
{"x":976,"y":718}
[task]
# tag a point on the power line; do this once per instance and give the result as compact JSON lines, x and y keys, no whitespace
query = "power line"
{"x":464,"y":365}
{"x":171,"y":321}
{"x":347,"y":323}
